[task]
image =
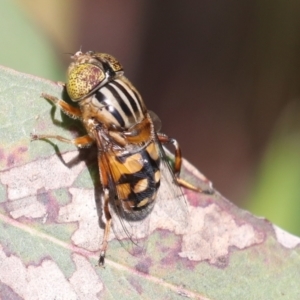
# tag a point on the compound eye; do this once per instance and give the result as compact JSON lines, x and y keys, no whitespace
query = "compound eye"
{"x":83,"y":79}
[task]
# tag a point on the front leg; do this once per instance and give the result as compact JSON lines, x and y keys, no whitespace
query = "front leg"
{"x":68,"y":109}
{"x":71,"y":111}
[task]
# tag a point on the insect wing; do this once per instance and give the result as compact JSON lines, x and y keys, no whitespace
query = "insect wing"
{"x":131,"y":229}
{"x":155,"y":120}
{"x":171,"y":208}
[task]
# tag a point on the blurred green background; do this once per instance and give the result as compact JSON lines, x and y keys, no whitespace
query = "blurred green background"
{"x":224,"y":77}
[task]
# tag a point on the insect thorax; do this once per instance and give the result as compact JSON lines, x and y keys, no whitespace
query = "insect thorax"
{"x":115,"y":104}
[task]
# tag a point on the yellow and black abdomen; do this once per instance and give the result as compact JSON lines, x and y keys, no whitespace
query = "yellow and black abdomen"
{"x":137,"y":177}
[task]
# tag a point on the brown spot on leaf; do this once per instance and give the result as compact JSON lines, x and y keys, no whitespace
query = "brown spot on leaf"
{"x":144,"y":265}
{"x":10,"y":160}
{"x":49,"y":200}
{"x":22,"y":149}
{"x":2,"y":155}
{"x":135,"y":283}
{"x":15,"y":156}
{"x":7,"y":292}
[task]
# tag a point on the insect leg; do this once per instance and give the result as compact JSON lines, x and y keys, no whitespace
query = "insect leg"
{"x":177,"y":164}
{"x":178,"y":157}
{"x":80,"y":142}
{"x":107,"y":228}
{"x":68,"y":109}
{"x":105,"y":179}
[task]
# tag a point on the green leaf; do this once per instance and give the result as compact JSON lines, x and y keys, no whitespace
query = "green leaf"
{"x":50,"y":236}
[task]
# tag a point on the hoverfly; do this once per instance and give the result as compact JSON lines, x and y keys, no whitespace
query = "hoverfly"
{"x":132,"y":162}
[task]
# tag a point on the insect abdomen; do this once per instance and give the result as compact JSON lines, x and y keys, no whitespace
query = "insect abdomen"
{"x":137,"y":177}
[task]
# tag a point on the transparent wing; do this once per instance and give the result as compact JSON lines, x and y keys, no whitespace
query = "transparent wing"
{"x":171,"y":208}
{"x":171,"y":202}
{"x":129,"y":231}
{"x":155,"y":120}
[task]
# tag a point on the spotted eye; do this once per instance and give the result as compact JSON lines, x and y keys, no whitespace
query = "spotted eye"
{"x":83,"y":79}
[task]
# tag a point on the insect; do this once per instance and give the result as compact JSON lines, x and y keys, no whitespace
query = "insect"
{"x":132,"y":162}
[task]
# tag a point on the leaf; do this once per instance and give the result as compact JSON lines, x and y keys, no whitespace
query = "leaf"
{"x":50,"y":237}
